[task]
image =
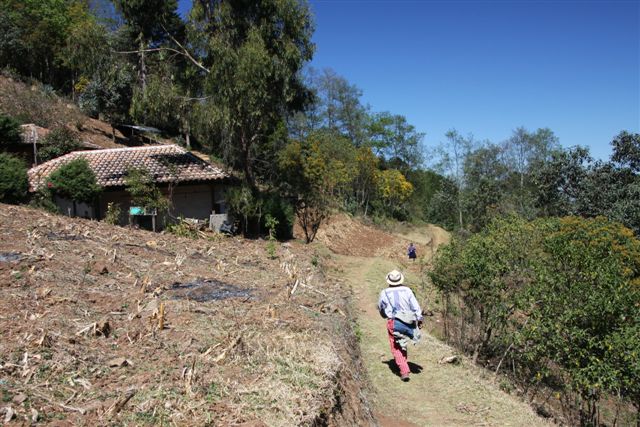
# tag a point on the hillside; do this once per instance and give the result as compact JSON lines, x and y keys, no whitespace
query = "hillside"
{"x":105,"y":325}
{"x":41,"y":106}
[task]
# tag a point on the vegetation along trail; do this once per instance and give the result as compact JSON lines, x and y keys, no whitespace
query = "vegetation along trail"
{"x":438,"y":394}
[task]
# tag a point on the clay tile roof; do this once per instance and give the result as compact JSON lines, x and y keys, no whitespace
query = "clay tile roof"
{"x":165,"y":163}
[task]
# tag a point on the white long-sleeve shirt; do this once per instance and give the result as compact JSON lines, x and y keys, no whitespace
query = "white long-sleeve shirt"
{"x":398,"y":298}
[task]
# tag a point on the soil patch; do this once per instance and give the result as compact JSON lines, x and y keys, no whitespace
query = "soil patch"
{"x":202,"y":290}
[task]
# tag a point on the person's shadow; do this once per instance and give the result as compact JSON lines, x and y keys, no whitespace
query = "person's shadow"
{"x":414,"y":368}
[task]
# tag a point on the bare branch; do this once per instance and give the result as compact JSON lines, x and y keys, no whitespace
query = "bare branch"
{"x":186,"y":53}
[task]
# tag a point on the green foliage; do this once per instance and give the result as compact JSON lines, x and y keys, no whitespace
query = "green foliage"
{"x":144,"y":192}
{"x":109,"y":92}
{"x":146,"y":18}
{"x":13,"y":179}
{"x":245,"y":204}
{"x":182,"y":229}
{"x":34,"y":35}
{"x":283,"y":214}
{"x":253,"y":52}
{"x":75,"y":181}
{"x":113,"y":214}
{"x":42,"y":198}
{"x":558,"y":297}
{"x":159,"y":105}
{"x":626,"y":150}
{"x":60,"y":141}
{"x":9,"y":130}
{"x":316,"y":170}
{"x":271,"y":249}
{"x":271,"y":223}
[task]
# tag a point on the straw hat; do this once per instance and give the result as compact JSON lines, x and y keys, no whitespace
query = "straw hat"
{"x":395,"y":278}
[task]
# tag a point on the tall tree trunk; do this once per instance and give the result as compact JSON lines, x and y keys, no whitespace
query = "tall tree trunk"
{"x":246,"y":166}
{"x":143,"y":65}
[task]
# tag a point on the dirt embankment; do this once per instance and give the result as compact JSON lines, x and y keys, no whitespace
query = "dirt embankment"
{"x":41,"y":106}
{"x":105,"y":325}
{"x":345,"y":235}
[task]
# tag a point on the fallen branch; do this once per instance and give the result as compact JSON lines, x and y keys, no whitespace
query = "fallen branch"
{"x":120,"y":403}
{"x":82,"y":411}
{"x":313,"y":289}
{"x":295,"y":286}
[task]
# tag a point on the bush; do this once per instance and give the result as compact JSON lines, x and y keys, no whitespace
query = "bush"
{"x":9,"y":130}
{"x":43,"y":199}
{"x":144,"y":193}
{"x":112,"y":216}
{"x":75,"y":181}
{"x":244,"y":204}
{"x":58,"y":142}
{"x":283,"y":215}
{"x":182,"y":229}
{"x":558,"y":298}
{"x":14,"y":182}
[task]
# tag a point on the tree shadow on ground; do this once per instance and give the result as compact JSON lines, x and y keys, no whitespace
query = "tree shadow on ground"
{"x":413,"y":367}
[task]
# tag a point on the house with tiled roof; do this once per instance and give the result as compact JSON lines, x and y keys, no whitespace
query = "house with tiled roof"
{"x":195,"y":187}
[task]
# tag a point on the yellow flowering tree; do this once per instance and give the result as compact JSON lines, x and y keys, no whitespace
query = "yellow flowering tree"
{"x":393,"y":187}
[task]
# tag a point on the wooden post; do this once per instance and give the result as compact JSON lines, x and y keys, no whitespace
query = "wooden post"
{"x":153,"y":222}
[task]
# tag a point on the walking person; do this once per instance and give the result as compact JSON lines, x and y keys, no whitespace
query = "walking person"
{"x":399,"y":306}
{"x":411,"y":251}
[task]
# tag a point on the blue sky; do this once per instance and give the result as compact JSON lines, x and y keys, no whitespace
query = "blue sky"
{"x":487,"y":67}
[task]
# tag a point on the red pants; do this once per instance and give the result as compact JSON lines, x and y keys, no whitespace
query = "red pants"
{"x":399,"y":354}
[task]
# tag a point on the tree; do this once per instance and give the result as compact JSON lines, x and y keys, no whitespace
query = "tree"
{"x":339,"y":107}
{"x":558,"y":181}
{"x":426,"y":184}
{"x":144,"y":193}
{"x":34,"y":37}
{"x":75,"y":181}
{"x":486,"y":177}
{"x":626,"y":150}
{"x":557,"y":298}
{"x":396,"y":141}
{"x":451,"y":164}
{"x":14,"y":182}
{"x":108,"y":93}
{"x":252,"y":53}
{"x":60,"y":141}
{"x":443,"y":208}
{"x":365,"y":183}
{"x":522,"y":151}
{"x":150,"y":22}
{"x":9,"y":130}
{"x":314,"y":173}
{"x":394,"y":190}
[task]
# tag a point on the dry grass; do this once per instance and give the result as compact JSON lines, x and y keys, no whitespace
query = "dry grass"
{"x":83,"y":337}
{"x":36,"y":104}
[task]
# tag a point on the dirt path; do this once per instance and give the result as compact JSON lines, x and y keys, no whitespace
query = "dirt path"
{"x":437,"y":395}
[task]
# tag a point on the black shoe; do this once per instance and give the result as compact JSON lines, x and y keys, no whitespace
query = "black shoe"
{"x":405,"y":378}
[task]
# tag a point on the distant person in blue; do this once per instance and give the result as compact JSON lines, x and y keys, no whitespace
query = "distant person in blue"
{"x":411,"y":251}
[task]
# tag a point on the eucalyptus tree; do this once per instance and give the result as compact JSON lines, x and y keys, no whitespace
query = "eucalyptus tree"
{"x":250,"y":57}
